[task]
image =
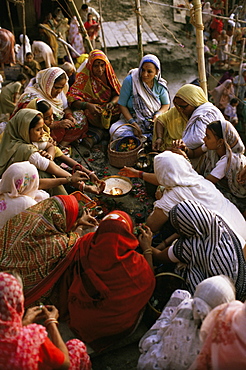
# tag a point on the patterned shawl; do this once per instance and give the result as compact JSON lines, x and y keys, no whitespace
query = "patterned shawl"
{"x":145,"y":103}
{"x":207,"y":246}
{"x":19,"y":345}
{"x":36,"y":240}
{"x":235,"y":159}
{"x":15,"y":145}
{"x":90,"y":88}
{"x":45,"y":80}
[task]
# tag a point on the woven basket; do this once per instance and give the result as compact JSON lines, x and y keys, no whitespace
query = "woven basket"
{"x":121,"y":159}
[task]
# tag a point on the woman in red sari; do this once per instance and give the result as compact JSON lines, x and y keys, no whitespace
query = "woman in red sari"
{"x":25,"y":345}
{"x":111,"y":282}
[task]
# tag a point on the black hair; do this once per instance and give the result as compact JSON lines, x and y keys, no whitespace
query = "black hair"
{"x":29,"y":53}
{"x":233,"y":101}
{"x":34,"y":121}
{"x":84,"y":6}
{"x":216,"y":128}
{"x":43,"y":106}
{"x":63,"y":76}
{"x":21,"y":76}
{"x":231,"y":71}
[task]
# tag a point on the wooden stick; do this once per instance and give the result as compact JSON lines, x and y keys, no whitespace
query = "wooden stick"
{"x":200,"y":45}
{"x":100,"y":22}
{"x":139,"y":30}
{"x":10,"y":18}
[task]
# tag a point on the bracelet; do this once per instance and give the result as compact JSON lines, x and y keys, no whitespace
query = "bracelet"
{"x":131,"y":121}
{"x":83,"y":105}
{"x":69,"y":115}
{"x":69,"y":179}
{"x":90,"y":173}
{"x":50,"y":321}
{"x":159,"y":138}
{"x":140,"y":174}
{"x":82,"y":186}
{"x":148,"y":251}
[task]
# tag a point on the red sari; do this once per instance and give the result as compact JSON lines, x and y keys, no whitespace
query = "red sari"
{"x":111,"y":283}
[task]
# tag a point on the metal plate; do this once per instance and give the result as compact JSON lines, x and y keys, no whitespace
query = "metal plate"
{"x":121,"y":185}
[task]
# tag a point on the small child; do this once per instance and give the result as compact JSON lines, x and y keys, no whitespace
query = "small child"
{"x":230,"y":111}
{"x":31,"y":66}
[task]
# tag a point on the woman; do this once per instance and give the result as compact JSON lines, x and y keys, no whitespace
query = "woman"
{"x":75,"y":38}
{"x":43,"y":54}
{"x":109,"y":290}
{"x":21,"y":55}
{"x":7,"y":42}
{"x":91,"y":27}
{"x":95,"y":92}
{"x":25,"y":345}
{"x":180,"y":182}
{"x":19,"y":190}
{"x":191,"y":106}
{"x":143,"y":97}
{"x":52,"y":85}
{"x":36,"y":240}
{"x":240,"y":84}
{"x":222,"y":94}
{"x":206,"y":247}
{"x":10,"y":94}
{"x":224,"y":341}
{"x":173,"y":341}
{"x":17,"y":145}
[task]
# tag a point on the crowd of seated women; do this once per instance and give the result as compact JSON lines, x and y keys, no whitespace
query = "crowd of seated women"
{"x":96,"y":277}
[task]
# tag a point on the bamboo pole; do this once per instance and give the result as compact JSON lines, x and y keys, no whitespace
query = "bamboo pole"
{"x":24,"y":29}
{"x":139,"y":30}
{"x":241,"y":67}
{"x":82,"y":27}
{"x":10,"y":18}
{"x":100,"y":21}
{"x":200,"y":44}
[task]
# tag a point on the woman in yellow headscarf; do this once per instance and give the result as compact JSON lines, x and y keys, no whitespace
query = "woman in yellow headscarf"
{"x":188,"y":119}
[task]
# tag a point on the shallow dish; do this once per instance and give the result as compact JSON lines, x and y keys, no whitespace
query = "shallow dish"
{"x":117,"y":186}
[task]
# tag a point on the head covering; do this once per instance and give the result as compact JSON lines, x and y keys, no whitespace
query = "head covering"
{"x":16,"y":145}
{"x":210,"y":293}
{"x":150,"y":58}
{"x":17,"y":341}
{"x":206,"y":239}
{"x":45,"y":80}
{"x":192,"y":95}
{"x":218,"y":91}
{"x":44,"y":239}
{"x":71,"y":208}
{"x":112,"y":284}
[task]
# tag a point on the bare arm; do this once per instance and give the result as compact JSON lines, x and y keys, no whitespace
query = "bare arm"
{"x":132,"y":172}
{"x":53,"y":169}
{"x":156,"y":220}
{"x":159,"y":135}
{"x":164,"y":108}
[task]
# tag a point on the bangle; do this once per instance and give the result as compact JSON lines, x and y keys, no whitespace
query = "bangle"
{"x":69,"y":179}
{"x":69,"y":115}
{"x":83,"y":105}
{"x":140,"y":174}
{"x":159,"y":138}
{"x":82,"y":186}
{"x":148,"y":251}
{"x":90,"y":173}
{"x":131,"y":121}
{"x":50,"y":321}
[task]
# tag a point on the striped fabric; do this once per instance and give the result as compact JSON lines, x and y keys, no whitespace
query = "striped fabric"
{"x":207,"y":246}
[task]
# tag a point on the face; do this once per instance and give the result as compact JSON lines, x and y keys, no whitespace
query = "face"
{"x":37,"y":132}
{"x":29,"y":58}
{"x":48,"y":117}
{"x":58,"y":87}
{"x":89,"y":17}
{"x":183,"y":107}
{"x":98,"y":68}
{"x":148,"y":73}
{"x":211,"y":140}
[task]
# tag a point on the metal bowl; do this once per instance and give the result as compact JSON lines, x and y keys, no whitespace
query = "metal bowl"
{"x":117,"y":186}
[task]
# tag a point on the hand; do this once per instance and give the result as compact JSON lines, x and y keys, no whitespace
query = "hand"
{"x":157,"y":144}
{"x":179,"y":151}
{"x":241,"y":176}
{"x":79,"y":176}
{"x":129,"y":172}
{"x":95,"y":189}
{"x":45,"y":154}
{"x":145,"y":237}
{"x":87,"y":219}
{"x":137,"y":131}
{"x":32,"y":314}
{"x":50,"y":312}
{"x":52,"y":141}
{"x":179,"y":144}
{"x":94,"y":178}
{"x":66,"y":123}
{"x":71,"y":118}
{"x":93,"y":109}
{"x":110,"y":106}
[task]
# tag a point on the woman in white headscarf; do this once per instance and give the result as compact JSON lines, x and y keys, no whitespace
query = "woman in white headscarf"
{"x":19,"y":190}
{"x":173,"y":341}
{"x":20,"y":55}
{"x":143,"y":97}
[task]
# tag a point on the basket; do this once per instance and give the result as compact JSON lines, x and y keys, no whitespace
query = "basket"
{"x":121,"y":159}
